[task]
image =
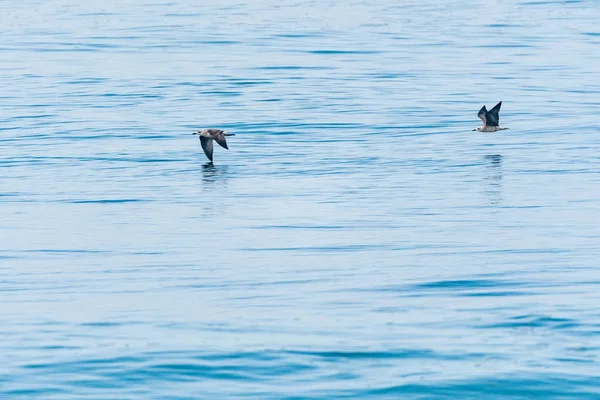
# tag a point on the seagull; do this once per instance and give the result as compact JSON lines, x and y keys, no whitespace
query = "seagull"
{"x":206,"y":140}
{"x":490,"y":119}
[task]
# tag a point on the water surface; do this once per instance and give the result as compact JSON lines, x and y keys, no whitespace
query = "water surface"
{"x":358,"y":240}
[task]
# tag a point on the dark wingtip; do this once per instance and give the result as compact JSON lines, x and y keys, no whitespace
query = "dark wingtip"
{"x":496,"y":108}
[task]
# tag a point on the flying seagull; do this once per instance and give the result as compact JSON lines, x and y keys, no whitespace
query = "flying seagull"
{"x":206,"y":140}
{"x":490,"y":119}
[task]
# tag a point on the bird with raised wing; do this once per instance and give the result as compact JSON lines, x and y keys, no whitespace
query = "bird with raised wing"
{"x":207,"y":136}
{"x":491,"y":120}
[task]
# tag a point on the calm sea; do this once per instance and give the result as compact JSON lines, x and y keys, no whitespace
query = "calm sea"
{"x":358,"y":240}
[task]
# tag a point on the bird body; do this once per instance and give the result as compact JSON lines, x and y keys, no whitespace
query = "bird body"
{"x":491,"y":120}
{"x":207,"y":136}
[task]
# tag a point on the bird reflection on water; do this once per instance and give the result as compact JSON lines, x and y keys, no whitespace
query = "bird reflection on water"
{"x":493,"y":163}
{"x":214,"y":174}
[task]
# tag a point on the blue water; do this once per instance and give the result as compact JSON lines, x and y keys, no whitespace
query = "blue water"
{"x":357,"y":240}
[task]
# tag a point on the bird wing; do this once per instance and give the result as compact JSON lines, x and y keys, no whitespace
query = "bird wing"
{"x":220,"y":138}
{"x":207,"y":146}
{"x":491,"y":117}
{"x":481,"y":114}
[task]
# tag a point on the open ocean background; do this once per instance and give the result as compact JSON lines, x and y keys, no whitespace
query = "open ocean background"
{"x":357,"y":241}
